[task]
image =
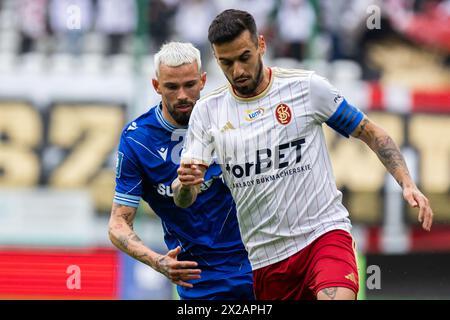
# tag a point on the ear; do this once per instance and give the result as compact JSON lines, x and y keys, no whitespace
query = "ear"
{"x":155,"y":84}
{"x":262,"y":44}
{"x":203,"y":80}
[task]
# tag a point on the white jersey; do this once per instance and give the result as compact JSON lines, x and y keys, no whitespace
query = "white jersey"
{"x":274,"y":159}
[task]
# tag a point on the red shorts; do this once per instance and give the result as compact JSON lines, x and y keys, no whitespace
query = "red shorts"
{"x":329,"y":261}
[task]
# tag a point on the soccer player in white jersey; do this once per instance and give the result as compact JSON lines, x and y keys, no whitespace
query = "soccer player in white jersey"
{"x":265,"y":130}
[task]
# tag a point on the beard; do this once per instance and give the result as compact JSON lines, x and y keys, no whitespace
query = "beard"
{"x":182,"y":118}
{"x":254,"y":82}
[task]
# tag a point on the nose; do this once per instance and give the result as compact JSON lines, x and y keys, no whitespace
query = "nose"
{"x":182,"y":94}
{"x":238,"y":70}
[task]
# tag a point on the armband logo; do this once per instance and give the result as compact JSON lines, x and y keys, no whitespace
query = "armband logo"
{"x":338,"y":98}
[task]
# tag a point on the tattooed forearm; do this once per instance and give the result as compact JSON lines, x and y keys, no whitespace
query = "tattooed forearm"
{"x":136,"y":250}
{"x":389,"y":154}
{"x":123,"y":242}
{"x":133,"y":236}
{"x":139,"y":256}
{"x":126,"y":216}
{"x":386,"y":150}
{"x":124,"y":212}
{"x":122,"y":234}
{"x":330,"y":292}
{"x":362,"y":128}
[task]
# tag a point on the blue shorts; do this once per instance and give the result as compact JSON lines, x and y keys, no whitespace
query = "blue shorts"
{"x":235,"y":287}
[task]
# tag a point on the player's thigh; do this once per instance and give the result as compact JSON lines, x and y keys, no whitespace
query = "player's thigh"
{"x":334,"y":266}
{"x":284,"y":280}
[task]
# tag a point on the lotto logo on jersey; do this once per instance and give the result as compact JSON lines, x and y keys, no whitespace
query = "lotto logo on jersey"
{"x":254,"y":114}
{"x":267,"y":159}
{"x":283,"y":114}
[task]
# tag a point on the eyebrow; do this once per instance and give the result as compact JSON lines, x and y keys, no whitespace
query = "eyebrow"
{"x":170,"y":84}
{"x":178,"y":84}
{"x":236,"y":57}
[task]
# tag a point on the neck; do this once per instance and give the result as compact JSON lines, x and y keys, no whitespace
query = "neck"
{"x":261,"y":86}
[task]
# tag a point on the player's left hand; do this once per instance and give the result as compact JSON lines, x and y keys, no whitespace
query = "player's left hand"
{"x":177,"y":271}
{"x":416,"y":199}
{"x":190,"y":174}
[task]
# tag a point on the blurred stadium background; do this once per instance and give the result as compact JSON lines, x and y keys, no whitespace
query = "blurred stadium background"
{"x":72,"y":72}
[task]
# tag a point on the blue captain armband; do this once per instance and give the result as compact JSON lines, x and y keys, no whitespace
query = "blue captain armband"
{"x":345,"y":119}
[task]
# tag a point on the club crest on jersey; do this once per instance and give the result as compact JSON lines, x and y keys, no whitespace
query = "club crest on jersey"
{"x":283,"y":114}
{"x":254,"y":114}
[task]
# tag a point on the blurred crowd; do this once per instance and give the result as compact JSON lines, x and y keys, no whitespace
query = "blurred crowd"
{"x":297,"y":29}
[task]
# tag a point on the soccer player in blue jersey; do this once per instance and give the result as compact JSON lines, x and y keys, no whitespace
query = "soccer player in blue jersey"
{"x":206,"y":257}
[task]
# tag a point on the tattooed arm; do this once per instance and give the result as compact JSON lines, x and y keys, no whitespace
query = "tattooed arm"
{"x":122,"y":235}
{"x":389,"y":154}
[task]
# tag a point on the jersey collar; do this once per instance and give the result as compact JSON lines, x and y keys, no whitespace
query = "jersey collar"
{"x":163,"y":122}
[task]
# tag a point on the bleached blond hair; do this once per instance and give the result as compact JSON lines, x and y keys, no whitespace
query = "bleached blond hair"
{"x":175,"y":54}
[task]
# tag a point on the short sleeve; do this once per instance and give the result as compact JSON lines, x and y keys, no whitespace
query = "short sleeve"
{"x":128,"y":176}
{"x":199,"y":144}
{"x":330,"y":107}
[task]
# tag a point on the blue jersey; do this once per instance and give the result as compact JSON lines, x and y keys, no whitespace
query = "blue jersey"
{"x":208,"y":233}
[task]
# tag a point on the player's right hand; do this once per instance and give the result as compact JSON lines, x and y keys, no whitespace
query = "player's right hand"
{"x":416,"y":199}
{"x":177,"y":271}
{"x":190,"y":174}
